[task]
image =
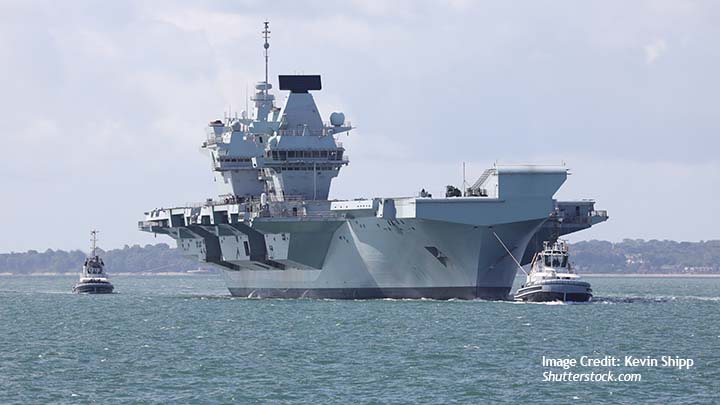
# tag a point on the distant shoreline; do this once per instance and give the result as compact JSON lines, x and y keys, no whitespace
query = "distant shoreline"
{"x":651,"y":275}
{"x":143,"y":274}
{"x":202,"y":273}
{"x":648,"y":275}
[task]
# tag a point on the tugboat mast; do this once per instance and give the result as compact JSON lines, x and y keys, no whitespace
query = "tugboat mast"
{"x":93,"y":233}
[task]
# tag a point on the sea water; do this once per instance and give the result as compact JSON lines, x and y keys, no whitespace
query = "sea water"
{"x":183,"y":339}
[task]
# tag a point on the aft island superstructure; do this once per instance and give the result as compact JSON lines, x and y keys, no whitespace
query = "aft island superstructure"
{"x":275,"y":233}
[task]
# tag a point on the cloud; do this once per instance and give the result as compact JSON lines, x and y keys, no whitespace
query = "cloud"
{"x":113,"y":98}
{"x":654,"y":50}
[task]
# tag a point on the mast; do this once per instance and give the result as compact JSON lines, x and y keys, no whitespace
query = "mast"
{"x":266,"y":33}
{"x":93,"y":233}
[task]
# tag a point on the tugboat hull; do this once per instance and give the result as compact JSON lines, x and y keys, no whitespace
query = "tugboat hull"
{"x":556,"y":290}
{"x":93,"y":288}
{"x":556,"y":296}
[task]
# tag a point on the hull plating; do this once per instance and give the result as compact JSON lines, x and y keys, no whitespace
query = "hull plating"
{"x":556,"y":290}
{"x":546,"y":296}
{"x":93,"y":288}
{"x":439,"y":293}
{"x":375,"y":258}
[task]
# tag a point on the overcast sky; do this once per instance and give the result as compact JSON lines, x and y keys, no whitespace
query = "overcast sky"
{"x":103,"y":104}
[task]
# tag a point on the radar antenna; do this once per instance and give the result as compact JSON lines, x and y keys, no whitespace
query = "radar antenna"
{"x":266,"y":35}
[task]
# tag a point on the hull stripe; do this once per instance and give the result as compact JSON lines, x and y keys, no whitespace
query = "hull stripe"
{"x":440,"y":293}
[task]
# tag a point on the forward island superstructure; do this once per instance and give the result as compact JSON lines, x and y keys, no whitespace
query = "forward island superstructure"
{"x":275,"y":233}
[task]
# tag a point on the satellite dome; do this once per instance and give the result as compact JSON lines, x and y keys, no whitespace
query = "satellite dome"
{"x":337,"y":119}
{"x":236,"y":125}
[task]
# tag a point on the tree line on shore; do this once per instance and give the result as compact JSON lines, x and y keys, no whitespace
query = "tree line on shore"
{"x":631,"y":256}
{"x":130,"y":259}
{"x":637,"y":256}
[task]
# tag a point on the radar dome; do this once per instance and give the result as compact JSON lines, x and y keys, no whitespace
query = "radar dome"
{"x":337,"y":119}
{"x":236,"y":125}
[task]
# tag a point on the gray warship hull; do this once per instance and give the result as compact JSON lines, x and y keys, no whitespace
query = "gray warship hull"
{"x":371,"y":258}
{"x":438,"y":248}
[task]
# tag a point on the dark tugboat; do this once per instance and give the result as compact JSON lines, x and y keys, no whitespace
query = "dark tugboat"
{"x":552,"y":278}
{"x":93,"y":279}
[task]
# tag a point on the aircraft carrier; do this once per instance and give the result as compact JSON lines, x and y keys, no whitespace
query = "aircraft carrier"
{"x":275,"y":233}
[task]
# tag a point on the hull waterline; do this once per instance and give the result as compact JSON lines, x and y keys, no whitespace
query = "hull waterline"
{"x":438,"y":293}
{"x":93,"y":288}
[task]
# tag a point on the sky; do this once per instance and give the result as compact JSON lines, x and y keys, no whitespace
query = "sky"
{"x":104,"y":104}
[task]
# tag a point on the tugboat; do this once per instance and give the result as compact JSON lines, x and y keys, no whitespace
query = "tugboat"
{"x":93,"y":279}
{"x":552,"y":278}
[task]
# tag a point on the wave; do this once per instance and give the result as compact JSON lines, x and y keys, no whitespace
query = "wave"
{"x":652,"y":299}
{"x":699,"y":298}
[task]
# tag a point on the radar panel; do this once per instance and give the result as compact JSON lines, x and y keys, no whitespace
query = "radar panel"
{"x":299,"y":83}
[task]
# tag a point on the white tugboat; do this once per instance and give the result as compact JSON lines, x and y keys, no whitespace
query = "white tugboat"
{"x":93,"y":279}
{"x":552,"y":278}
